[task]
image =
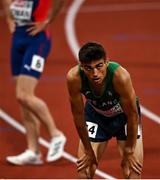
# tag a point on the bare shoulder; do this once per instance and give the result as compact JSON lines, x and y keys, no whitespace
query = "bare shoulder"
{"x":74,"y":79}
{"x":73,"y":74}
{"x":121,"y":76}
{"x":122,"y":82}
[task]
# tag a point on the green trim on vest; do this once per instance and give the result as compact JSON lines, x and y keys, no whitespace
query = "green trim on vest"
{"x":86,"y":87}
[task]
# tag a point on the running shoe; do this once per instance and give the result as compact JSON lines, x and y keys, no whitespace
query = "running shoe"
{"x":56,"y":148}
{"x":27,"y":157}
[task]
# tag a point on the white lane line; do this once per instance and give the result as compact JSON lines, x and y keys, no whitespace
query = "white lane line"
{"x":150,"y":114}
{"x":69,"y":26}
{"x":21,"y":129}
{"x":73,"y":44}
{"x":8,"y":119}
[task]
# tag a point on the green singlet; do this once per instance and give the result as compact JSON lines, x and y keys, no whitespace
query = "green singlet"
{"x":108,"y":104}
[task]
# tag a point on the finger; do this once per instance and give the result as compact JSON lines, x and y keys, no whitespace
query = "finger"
{"x":31,"y":29}
{"x":126,"y":171}
{"x":32,"y":23}
{"x":81,"y":161}
{"x":81,"y":166}
{"x":136,"y":162}
{"x":139,"y":164}
{"x":138,"y":170}
{"x":137,"y":167}
{"x":34,"y":32}
{"x":82,"y":158}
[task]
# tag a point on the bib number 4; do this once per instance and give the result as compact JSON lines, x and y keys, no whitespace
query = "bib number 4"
{"x":92,"y":129}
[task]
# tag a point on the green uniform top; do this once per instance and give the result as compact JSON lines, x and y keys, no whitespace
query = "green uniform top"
{"x":108,"y":104}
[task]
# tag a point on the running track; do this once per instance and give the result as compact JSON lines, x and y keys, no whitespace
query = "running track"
{"x":130,"y":33}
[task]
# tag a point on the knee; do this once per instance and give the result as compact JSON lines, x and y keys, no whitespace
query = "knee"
{"x":22,"y":98}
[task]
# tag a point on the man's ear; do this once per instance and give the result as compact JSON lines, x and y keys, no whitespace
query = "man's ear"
{"x":106,"y":61}
{"x":81,"y":66}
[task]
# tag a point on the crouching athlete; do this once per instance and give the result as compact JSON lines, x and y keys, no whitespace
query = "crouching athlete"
{"x":111,"y":110}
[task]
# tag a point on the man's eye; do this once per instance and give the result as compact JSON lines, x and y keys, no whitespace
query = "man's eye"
{"x":99,"y":66}
{"x":88,"y":68}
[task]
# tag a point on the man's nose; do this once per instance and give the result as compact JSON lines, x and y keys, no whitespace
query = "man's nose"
{"x":95,"y":72}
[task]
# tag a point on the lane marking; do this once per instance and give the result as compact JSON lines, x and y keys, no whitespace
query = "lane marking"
{"x":8,"y":119}
{"x":146,"y":112}
{"x":73,"y":44}
{"x":69,"y":26}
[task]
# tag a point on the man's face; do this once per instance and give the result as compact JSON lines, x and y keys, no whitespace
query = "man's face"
{"x":95,"y":71}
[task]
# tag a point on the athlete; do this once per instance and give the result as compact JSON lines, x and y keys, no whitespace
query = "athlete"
{"x":31,"y":43}
{"x":111,"y":110}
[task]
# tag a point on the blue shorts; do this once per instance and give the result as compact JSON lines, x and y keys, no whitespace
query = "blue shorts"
{"x":28,"y":53}
{"x":101,"y":128}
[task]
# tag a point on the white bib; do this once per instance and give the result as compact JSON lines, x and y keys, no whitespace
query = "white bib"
{"x":22,"y":10}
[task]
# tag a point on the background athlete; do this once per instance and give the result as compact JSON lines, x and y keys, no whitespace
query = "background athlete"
{"x":31,"y":44}
{"x":111,"y":110}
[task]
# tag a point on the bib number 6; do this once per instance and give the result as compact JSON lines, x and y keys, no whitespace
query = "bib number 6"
{"x":92,"y":129}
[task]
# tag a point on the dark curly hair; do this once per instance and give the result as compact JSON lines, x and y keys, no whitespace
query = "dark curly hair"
{"x":91,"y":51}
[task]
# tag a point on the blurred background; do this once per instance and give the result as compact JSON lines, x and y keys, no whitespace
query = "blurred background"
{"x":130,"y":32}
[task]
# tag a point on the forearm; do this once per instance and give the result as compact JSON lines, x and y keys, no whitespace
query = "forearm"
{"x":82,"y":132}
{"x":132,"y":130}
{"x":55,"y":9}
{"x":6,"y":5}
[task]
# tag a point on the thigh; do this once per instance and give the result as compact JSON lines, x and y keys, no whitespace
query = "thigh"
{"x":26,"y":85}
{"x":98,"y":148}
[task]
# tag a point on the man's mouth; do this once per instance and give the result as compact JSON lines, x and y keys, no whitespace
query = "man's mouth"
{"x":96,"y":79}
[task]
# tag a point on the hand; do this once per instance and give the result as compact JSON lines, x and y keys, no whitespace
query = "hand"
{"x":37,"y":27}
{"x":88,"y":162}
{"x":130,"y":163}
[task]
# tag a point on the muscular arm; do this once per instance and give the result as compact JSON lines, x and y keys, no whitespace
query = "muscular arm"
{"x":6,"y":4}
{"x":55,"y":9}
{"x":10,"y":20}
{"x":36,"y":27}
{"x":77,"y":107}
{"x":123,"y":86}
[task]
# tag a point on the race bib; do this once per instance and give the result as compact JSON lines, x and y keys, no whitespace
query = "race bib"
{"x":92,"y":129}
{"x":37,"y":63}
{"x":22,"y":10}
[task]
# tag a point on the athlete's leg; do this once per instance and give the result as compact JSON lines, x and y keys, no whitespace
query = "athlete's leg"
{"x":32,"y":126}
{"x":32,"y":155}
{"x":98,"y":148}
{"x":25,"y":91}
{"x":34,"y":105}
{"x":138,"y":154}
